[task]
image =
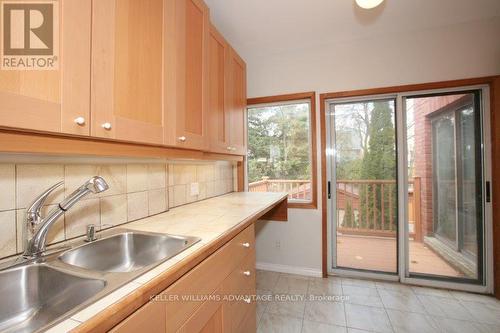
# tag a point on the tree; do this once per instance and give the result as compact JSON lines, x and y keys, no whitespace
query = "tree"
{"x":348,"y":217}
{"x":379,"y":162}
{"x":278,"y":142}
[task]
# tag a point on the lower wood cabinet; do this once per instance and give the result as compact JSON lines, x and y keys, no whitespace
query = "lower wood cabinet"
{"x":150,"y":318}
{"x":211,"y":317}
{"x":249,"y":324}
{"x":215,"y":296}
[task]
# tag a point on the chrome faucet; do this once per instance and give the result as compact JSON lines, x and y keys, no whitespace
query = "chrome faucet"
{"x":37,"y":227}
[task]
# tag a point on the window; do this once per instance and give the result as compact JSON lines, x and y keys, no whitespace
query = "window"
{"x":282,"y":147}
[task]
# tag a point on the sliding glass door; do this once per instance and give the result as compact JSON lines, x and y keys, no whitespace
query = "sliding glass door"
{"x":408,"y":180}
{"x":365,"y":185}
{"x":445,"y":158}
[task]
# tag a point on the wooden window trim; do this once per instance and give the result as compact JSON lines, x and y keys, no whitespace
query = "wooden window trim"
{"x":311,"y":96}
{"x":494,"y":84}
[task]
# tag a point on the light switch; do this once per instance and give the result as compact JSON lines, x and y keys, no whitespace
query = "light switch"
{"x":195,"y":189}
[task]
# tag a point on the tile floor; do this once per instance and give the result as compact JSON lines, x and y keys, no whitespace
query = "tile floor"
{"x":355,"y":306}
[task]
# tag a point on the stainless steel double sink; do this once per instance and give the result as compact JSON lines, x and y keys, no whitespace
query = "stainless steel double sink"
{"x":36,"y":295}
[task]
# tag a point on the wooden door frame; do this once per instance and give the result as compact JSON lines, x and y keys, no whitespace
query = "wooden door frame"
{"x":494,"y":85}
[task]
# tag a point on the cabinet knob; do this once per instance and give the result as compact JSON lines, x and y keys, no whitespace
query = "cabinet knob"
{"x":182,"y":138}
{"x":248,"y":300}
{"x":79,"y":121}
{"x":106,"y":126}
{"x":246,"y":273}
{"x":229,"y":148}
{"x":246,"y":244}
{"x":233,"y":148}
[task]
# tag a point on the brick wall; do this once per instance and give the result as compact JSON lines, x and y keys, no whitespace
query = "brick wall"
{"x":424,"y":108}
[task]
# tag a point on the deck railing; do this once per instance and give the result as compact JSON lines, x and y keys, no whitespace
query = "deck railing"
{"x":369,"y":207}
{"x":296,"y":189}
{"x":370,"y":204}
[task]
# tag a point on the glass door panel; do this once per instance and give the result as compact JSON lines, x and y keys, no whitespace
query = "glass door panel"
{"x":364,"y":168}
{"x":444,"y":178}
{"x":468,"y":175}
{"x":445,"y":183}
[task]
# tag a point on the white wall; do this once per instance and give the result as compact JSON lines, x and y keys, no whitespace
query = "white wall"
{"x":454,"y":52}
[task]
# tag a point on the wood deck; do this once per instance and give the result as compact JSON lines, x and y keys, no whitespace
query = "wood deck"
{"x":380,"y":254}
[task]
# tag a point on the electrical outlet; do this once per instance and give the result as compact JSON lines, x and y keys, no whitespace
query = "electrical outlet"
{"x":278,"y":244}
{"x":195,"y":189}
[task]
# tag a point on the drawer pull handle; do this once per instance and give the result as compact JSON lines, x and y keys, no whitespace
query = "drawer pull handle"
{"x":80,"y":121}
{"x":106,"y":126}
{"x":248,"y":300}
{"x":246,"y":244}
{"x":246,"y":273}
{"x":182,"y":139}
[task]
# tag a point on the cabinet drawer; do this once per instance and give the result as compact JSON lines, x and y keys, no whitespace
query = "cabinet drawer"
{"x":189,"y":292}
{"x":242,"y":278}
{"x":149,"y":318}
{"x":240,"y":288}
{"x":242,"y":245}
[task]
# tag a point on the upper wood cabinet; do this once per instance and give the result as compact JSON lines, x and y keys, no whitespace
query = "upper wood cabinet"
{"x":187,"y":96}
{"x":149,"y":71}
{"x":127,"y":69}
{"x":219,"y":120}
{"x":51,"y":100}
{"x":227,"y":101}
{"x":237,"y":103}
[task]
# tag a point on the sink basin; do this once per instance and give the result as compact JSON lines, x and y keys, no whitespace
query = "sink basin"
{"x":35,"y":295}
{"x":127,"y":251}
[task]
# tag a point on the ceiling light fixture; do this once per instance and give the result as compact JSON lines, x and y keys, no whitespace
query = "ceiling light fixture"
{"x":368,"y":4}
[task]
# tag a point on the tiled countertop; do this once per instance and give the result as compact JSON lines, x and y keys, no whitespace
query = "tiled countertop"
{"x":210,"y":220}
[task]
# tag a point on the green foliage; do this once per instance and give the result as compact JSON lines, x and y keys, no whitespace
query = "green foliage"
{"x":278,"y":142}
{"x":348,"y":217}
{"x":350,"y":169}
{"x":379,"y":162}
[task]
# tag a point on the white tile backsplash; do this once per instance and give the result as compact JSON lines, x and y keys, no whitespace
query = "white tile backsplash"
{"x":116,"y":177}
{"x":113,"y":210}
{"x":33,"y":179}
{"x":137,"y":205}
{"x":137,"y":177}
{"x":7,"y":187}
{"x":156,"y":176}
{"x":136,"y":190}
{"x":157,"y":201}
{"x":8,"y":234}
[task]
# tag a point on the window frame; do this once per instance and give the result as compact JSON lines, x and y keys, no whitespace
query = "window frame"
{"x":283,"y":99}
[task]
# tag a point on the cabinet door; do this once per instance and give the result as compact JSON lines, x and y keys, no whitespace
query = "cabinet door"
{"x":211,"y":317}
{"x":237,"y":103}
{"x":218,"y":74}
{"x":51,"y":100}
{"x":127,"y":70}
{"x":190,"y":109}
{"x":150,"y":318}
